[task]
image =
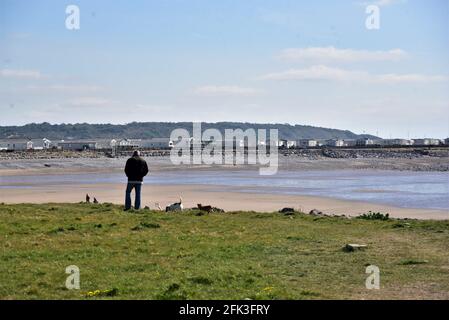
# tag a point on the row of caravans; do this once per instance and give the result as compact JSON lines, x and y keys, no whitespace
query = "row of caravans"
{"x":21,"y":144}
{"x":312,"y":143}
{"x":166,"y":143}
{"x":79,"y":145}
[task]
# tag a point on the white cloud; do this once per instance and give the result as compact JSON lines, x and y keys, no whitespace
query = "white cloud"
{"x":225,"y":91}
{"x":90,"y":101}
{"x":322,"y":72}
{"x":410,"y":78}
{"x":315,"y":73}
{"x":65,"y":88}
{"x":381,"y":3}
{"x":150,"y":108}
{"x":20,"y":74}
{"x":325,"y":54}
{"x":384,"y":3}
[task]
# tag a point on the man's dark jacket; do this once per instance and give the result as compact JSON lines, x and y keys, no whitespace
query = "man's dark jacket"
{"x":136,"y":168}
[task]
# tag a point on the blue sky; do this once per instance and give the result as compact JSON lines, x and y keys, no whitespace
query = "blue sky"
{"x":298,"y":62}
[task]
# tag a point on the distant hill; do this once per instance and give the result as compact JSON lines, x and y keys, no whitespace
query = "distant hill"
{"x":160,"y":130}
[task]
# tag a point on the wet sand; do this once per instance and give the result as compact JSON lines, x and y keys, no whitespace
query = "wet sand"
{"x":32,"y":166}
{"x":227,"y":198}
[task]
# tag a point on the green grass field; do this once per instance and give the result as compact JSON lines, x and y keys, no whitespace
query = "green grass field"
{"x":154,"y":255}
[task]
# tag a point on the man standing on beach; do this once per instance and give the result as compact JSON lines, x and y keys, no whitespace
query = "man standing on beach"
{"x":136,"y":168}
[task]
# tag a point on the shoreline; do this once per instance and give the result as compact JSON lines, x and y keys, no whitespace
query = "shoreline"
{"x":227,"y":198}
{"x":243,"y":198}
{"x":56,"y":166}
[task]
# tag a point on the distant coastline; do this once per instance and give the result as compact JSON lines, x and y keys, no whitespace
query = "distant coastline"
{"x":145,"y":130}
{"x":410,"y":159}
{"x":69,"y":176}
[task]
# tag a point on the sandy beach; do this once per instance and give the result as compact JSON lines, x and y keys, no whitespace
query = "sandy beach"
{"x":229,"y":198}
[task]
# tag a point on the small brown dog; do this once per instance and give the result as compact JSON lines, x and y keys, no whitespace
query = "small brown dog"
{"x":208,"y":209}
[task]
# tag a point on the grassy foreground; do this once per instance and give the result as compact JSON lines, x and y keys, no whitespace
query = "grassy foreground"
{"x":154,"y":255}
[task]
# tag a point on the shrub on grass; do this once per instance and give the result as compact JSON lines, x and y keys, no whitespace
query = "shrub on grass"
{"x":374,"y":216}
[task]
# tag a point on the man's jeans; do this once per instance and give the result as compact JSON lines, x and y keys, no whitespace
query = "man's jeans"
{"x":129,"y":188}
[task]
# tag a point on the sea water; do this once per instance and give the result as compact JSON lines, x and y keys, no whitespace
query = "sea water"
{"x":406,"y":189}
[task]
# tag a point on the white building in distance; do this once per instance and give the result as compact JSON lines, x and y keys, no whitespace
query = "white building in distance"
{"x":335,"y":143}
{"x":306,"y":143}
{"x":426,"y":142}
{"x":397,"y":142}
{"x":80,"y":145}
{"x":129,"y":143}
{"x":41,"y":144}
{"x":156,"y":143}
{"x":16,"y":144}
{"x":364,"y":142}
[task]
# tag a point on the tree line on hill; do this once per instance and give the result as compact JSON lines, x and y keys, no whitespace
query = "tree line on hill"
{"x":147,"y":130}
